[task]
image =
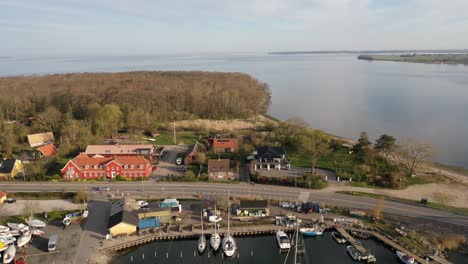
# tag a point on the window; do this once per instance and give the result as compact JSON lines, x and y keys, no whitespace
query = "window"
{"x":113,"y":168}
{"x":86,"y":166}
{"x":131,"y":174}
{"x":125,"y":166}
{"x":141,"y":166}
{"x":132,"y":166}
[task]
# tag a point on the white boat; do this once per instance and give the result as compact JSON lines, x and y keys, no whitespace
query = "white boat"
{"x":6,"y":234}
{"x":202,"y":239}
{"x":215,"y":238}
{"x":311,"y":231}
{"x":405,"y":258}
{"x":283,"y":240}
{"x":37,"y":232}
{"x":4,"y":229}
{"x":36,"y":223}
{"x":354,"y":253}
{"x":19,"y":227}
{"x":229,"y":244}
{"x":23,"y":240}
{"x":9,"y":254}
{"x":14,"y":233}
{"x":401,"y":232}
{"x":7,"y":240}
{"x":338,"y":237}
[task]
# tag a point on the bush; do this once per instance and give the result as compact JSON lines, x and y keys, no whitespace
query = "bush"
{"x":56,"y":177}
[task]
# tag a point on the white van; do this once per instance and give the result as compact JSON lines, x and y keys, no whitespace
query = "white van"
{"x":52,"y":243}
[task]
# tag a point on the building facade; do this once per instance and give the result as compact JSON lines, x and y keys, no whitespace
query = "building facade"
{"x":86,"y":167}
{"x":271,"y":158}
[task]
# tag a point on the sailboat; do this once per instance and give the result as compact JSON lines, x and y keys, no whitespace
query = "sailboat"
{"x":215,"y":238}
{"x":229,"y":244}
{"x":202,"y":239}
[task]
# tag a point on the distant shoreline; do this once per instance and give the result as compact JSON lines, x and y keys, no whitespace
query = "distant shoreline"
{"x":420,"y":58}
{"x":446,"y":51}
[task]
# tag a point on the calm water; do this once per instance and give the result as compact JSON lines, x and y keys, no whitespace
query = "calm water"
{"x":333,"y":92}
{"x":256,"y":250}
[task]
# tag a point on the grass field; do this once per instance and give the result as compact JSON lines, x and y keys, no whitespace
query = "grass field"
{"x":185,"y":137}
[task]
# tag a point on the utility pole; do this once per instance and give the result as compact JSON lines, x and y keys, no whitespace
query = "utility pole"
{"x":175,"y":137}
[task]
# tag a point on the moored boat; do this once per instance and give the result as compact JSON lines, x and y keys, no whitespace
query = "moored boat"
{"x":360,"y":235}
{"x":9,"y":254}
{"x":7,"y":240}
{"x":353,"y":252}
{"x":229,"y":244}
{"x":4,"y":229}
{"x":311,"y":231}
{"x":215,"y":240}
{"x":338,"y":237}
{"x":23,"y":240}
{"x":37,"y":232}
{"x":6,"y":234}
{"x":36,"y":223}
{"x":202,"y":239}
{"x":405,"y":258}
{"x":283,"y":240}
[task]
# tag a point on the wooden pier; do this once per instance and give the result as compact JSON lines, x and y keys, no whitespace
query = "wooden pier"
{"x":183,"y":234}
{"x":352,"y":241}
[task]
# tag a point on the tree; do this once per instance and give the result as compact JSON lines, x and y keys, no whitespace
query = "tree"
{"x":385,"y":144}
{"x":413,"y":153}
{"x":314,"y":146}
{"x":362,"y":149}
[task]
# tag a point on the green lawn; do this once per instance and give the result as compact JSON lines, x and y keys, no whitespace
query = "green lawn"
{"x":167,"y":138}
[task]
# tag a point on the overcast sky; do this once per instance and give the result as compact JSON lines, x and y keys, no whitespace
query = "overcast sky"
{"x":199,"y":26}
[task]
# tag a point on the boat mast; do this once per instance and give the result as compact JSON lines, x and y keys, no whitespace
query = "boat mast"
{"x":201,"y":217}
{"x":229,"y":212}
{"x":295,"y":244}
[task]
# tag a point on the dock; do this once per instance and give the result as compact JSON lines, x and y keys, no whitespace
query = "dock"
{"x":352,"y":241}
{"x":180,"y":233}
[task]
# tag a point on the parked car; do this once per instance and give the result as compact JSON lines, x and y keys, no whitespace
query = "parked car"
{"x":155,"y":168}
{"x":104,"y":188}
{"x":142,"y":203}
{"x":10,"y":200}
{"x":182,"y":168}
{"x":178,"y":161}
{"x":52,"y":245}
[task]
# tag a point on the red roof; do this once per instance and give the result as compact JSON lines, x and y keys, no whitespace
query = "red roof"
{"x":227,"y":143}
{"x":48,"y":150}
{"x":126,"y":161}
{"x":2,"y":194}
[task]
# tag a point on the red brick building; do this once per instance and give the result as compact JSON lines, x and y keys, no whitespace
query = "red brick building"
{"x":86,"y":167}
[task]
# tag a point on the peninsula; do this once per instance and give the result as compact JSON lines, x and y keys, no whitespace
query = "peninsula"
{"x":420,"y":58}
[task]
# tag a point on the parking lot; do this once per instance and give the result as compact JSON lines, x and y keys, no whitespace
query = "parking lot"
{"x":167,"y":161}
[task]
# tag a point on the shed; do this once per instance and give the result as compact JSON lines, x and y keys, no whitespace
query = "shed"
{"x":123,"y":223}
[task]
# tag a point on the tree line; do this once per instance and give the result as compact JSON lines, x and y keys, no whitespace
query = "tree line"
{"x":84,"y":108}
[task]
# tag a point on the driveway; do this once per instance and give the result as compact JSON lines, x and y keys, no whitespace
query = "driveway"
{"x":37,"y":206}
{"x":167,"y":165}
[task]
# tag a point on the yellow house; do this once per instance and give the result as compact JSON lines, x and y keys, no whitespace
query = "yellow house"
{"x":123,"y":223}
{"x":3,"y":196}
{"x":11,"y":168}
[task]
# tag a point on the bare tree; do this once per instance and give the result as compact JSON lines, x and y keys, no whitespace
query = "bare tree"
{"x":315,"y":146}
{"x":413,"y":153}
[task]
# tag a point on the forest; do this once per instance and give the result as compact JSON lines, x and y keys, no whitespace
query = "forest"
{"x":81,"y":108}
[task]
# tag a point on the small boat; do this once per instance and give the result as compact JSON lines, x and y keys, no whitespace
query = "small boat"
{"x":9,"y":254}
{"x":4,"y":229}
{"x":36,"y":223}
{"x":202,"y":240}
{"x":15,"y":233}
{"x":338,"y":237}
{"x":283,"y":240}
{"x":371,"y":258}
{"x":360,"y":235}
{"x":23,"y":240}
{"x":6,"y":234}
{"x":229,"y":244}
{"x":401,"y":232}
{"x":37,"y":232}
{"x":405,"y":258}
{"x":215,"y":240}
{"x":353,"y":252}
{"x":7,"y":240}
{"x":311,"y":231}
{"x":14,"y":226}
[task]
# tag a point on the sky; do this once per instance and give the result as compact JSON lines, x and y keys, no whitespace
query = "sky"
{"x":75,"y":27}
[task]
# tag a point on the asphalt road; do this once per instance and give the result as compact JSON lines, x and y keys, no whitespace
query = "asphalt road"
{"x":243,"y":189}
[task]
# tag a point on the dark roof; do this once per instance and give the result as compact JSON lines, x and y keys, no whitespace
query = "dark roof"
{"x":6,"y":166}
{"x":123,"y":216}
{"x":249,"y":204}
{"x":268,"y":152}
{"x":197,"y":147}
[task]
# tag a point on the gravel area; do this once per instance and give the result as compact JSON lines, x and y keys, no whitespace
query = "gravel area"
{"x":37,"y":206}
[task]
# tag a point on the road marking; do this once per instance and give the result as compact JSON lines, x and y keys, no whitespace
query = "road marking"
{"x":304,"y":196}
